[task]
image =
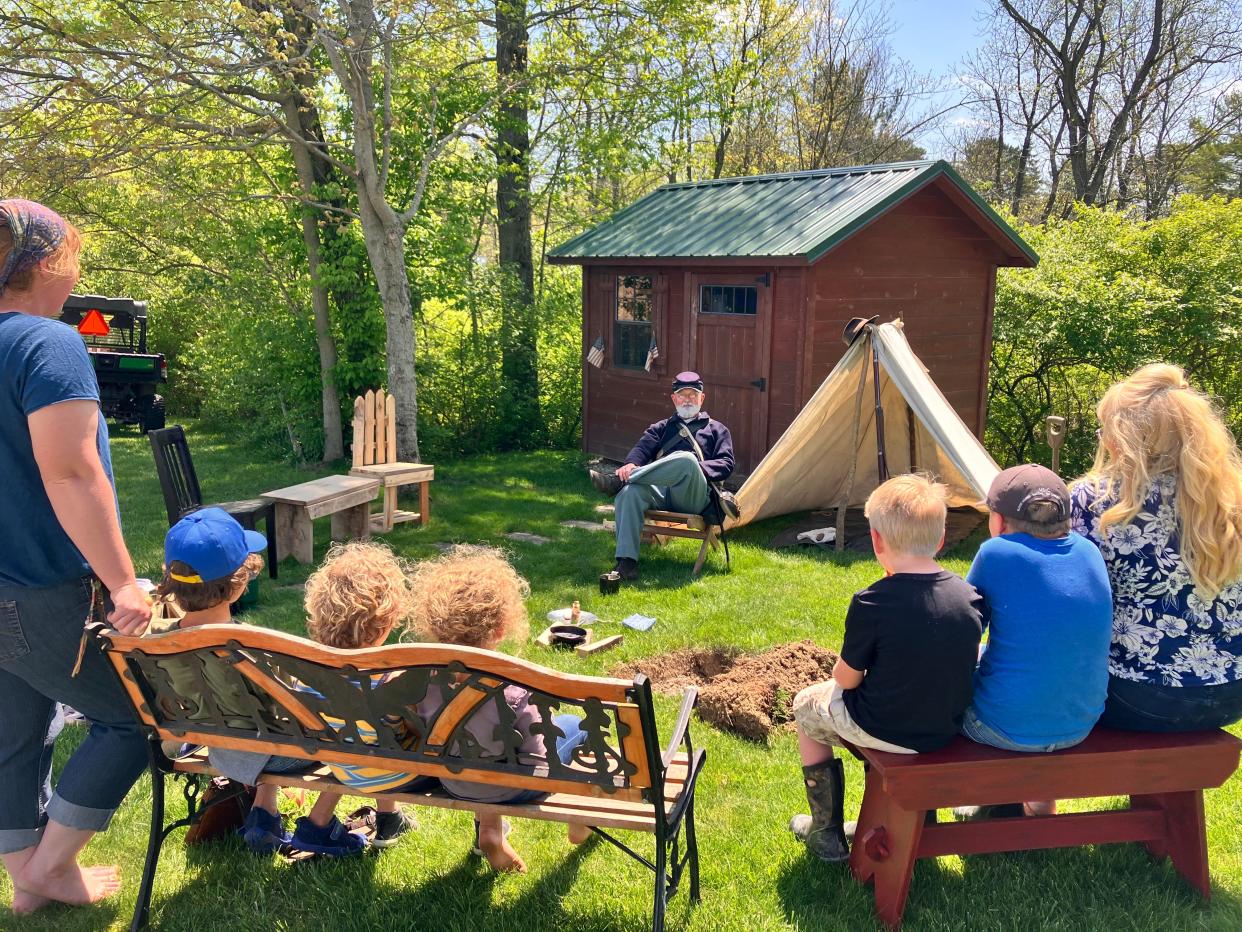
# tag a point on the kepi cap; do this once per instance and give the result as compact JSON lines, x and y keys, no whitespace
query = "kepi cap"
{"x":212,"y":543}
{"x":687,"y":379}
{"x":1016,"y":489}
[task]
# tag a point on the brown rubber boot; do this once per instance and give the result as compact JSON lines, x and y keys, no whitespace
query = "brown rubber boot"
{"x":823,"y":830}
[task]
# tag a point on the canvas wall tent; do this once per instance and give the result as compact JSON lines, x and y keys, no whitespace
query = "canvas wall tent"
{"x":827,"y":456}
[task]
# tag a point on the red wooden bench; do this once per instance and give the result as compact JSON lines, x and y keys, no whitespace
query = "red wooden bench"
{"x":1164,"y":776}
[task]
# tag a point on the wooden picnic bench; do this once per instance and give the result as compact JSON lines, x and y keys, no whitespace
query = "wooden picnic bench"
{"x":620,"y":778}
{"x":346,"y":498}
{"x":1163,"y":774}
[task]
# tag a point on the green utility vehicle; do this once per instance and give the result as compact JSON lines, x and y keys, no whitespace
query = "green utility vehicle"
{"x":115,"y":331}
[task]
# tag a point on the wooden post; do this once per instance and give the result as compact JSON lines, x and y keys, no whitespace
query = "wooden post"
{"x":368,"y":443}
{"x":381,"y":429}
{"x":354,"y":523}
{"x":390,"y":418}
{"x":295,"y":532}
{"x":359,"y":429}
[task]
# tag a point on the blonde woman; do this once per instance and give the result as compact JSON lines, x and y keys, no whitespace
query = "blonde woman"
{"x":1164,"y":504}
{"x":59,"y":513}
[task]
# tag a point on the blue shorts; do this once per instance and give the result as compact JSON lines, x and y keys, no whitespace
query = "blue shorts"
{"x":974,"y":729}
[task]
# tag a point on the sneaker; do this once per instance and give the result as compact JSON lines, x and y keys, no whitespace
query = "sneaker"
{"x":606,"y":482}
{"x":332,"y":839}
{"x":390,"y":826}
{"x":263,"y":832}
{"x":505,"y":826}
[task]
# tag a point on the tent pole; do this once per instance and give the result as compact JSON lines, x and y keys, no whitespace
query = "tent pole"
{"x":881,"y":458}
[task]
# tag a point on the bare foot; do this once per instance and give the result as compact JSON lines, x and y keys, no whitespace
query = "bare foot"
{"x":1040,"y":807}
{"x":579,"y":833}
{"x":26,"y":903}
{"x":499,"y":853}
{"x":77,"y":886}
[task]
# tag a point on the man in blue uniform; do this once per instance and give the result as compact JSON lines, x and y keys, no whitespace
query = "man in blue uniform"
{"x":664,"y":471}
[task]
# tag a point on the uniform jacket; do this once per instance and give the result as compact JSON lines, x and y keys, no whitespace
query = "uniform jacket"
{"x":712,"y":436}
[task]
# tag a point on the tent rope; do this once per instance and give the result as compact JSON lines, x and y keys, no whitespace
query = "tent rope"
{"x":839,"y":543}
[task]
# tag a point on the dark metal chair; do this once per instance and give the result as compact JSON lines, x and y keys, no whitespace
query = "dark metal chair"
{"x":182,"y":495}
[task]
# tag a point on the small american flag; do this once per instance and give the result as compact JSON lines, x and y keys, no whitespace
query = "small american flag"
{"x":595,"y":355}
{"x":653,"y":353}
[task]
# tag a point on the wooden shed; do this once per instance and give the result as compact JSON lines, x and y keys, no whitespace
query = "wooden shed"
{"x":750,"y":281}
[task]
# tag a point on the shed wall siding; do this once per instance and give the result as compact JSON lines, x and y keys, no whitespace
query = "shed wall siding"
{"x":927,"y":263}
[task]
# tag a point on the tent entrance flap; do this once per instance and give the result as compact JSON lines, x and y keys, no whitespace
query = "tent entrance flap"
{"x":809,"y":467}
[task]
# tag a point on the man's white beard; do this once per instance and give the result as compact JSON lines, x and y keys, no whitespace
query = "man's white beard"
{"x":688,"y":412}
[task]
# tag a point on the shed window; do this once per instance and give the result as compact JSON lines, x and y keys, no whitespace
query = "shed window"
{"x":634,"y":321}
{"x":728,"y":299}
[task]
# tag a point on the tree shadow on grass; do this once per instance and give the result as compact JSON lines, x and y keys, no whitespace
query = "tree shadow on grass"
{"x":1114,"y":886}
{"x":348,"y":894}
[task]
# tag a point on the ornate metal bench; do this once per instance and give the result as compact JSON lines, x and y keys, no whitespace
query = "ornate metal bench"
{"x":621,"y":778}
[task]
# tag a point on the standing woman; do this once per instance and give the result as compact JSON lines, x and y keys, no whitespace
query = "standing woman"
{"x":1164,"y":504}
{"x":58,"y":512}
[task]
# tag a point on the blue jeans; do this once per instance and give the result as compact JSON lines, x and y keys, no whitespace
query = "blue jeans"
{"x":40,"y":630}
{"x":674,"y":483}
{"x":572,"y":738}
{"x":1153,"y":707}
{"x":974,"y":729}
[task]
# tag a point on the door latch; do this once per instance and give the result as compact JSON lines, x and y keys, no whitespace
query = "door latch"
{"x":761,"y":384}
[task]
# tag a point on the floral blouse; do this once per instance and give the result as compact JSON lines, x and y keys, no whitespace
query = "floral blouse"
{"x":1163,"y":632}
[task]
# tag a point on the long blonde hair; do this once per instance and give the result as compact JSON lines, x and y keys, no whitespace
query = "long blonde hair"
{"x":1155,"y":424}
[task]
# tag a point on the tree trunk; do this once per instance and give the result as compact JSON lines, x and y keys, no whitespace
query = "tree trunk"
{"x":333,"y":442}
{"x":521,"y":423}
{"x":385,"y":239}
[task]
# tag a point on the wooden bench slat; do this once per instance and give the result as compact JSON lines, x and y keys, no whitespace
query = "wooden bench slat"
{"x":1108,"y":763}
{"x":398,"y":656}
{"x":317,"y":491}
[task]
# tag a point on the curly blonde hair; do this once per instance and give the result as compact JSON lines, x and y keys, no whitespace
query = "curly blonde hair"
{"x":1154,"y":424}
{"x":470,"y":596}
{"x":359,"y":593}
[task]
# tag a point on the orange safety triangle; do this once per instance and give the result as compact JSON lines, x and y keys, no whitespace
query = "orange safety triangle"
{"x":94,"y":325}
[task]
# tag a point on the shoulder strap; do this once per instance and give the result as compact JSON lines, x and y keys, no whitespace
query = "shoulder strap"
{"x":685,"y":432}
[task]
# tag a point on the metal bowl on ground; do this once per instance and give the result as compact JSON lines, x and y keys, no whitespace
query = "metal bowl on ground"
{"x":568,"y":636}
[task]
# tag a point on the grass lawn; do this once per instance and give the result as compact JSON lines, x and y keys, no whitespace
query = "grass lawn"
{"x":755,"y":876}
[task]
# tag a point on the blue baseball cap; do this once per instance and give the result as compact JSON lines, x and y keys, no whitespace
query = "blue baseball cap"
{"x":212,"y":543}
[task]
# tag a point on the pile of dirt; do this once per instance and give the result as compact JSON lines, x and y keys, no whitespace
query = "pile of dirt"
{"x":672,"y":673}
{"x":748,"y":694}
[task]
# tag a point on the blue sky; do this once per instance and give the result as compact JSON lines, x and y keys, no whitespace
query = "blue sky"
{"x":934,"y":35}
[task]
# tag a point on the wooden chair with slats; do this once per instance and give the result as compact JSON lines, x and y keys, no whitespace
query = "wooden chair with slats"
{"x":285,"y":695}
{"x":658,"y":525}
{"x":375,"y":457}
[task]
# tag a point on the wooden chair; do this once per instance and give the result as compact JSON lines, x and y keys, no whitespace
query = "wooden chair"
{"x":182,"y":495}
{"x":375,"y":456}
{"x":1163,"y":774}
{"x":658,"y":525}
{"x":622,"y":777}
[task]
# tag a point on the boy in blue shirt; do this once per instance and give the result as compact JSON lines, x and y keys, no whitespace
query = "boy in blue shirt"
{"x":1043,"y":676}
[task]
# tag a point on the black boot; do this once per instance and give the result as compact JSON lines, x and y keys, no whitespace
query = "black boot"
{"x":823,"y":830}
{"x":606,"y":482}
{"x":626,"y":568}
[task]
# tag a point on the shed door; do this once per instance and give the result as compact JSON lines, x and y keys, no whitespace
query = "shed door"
{"x":730,"y":327}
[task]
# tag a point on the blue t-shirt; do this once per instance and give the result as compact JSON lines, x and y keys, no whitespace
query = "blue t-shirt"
{"x":1043,"y":677}
{"x":42,"y":362}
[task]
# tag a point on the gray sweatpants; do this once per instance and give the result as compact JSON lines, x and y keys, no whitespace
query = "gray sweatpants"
{"x":672,"y":483}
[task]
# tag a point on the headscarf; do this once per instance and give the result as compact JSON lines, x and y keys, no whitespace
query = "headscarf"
{"x":37,"y":233}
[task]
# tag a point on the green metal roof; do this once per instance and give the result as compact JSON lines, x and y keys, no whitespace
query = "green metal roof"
{"x":798,"y":214}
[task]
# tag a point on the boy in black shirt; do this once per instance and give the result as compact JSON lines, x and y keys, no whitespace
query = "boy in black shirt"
{"x":903,"y":679}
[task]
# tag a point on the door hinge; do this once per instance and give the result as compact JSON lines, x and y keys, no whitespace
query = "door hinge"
{"x":761,"y":384}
